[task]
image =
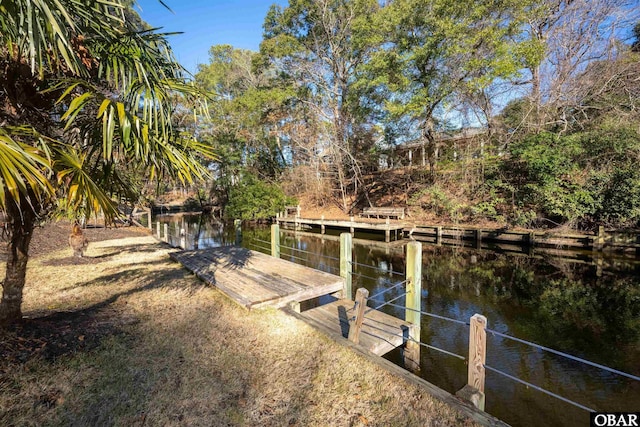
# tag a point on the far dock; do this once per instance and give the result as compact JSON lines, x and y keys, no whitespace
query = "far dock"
{"x":389,"y":229}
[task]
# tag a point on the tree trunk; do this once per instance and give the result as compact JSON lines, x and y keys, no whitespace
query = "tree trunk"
{"x":536,"y":97}
{"x":20,"y":226}
{"x":431,"y":145}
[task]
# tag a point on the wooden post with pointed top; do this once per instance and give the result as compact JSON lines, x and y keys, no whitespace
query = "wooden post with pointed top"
{"x":275,"y":240}
{"x":361,"y":303}
{"x":474,"y":390}
{"x":346,"y":256}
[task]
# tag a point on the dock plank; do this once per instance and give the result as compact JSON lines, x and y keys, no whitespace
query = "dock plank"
{"x":256,"y":280}
{"x":380,"y":332}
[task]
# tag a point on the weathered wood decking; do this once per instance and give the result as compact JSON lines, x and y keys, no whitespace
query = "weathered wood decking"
{"x":254,"y":279}
{"x":380,"y":332}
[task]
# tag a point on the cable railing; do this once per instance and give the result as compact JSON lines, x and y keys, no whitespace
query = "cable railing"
{"x":255,"y":245}
{"x":373,"y":267}
{"x":306,"y":260}
{"x":255,"y":239}
{"x":441,"y":350}
{"x":384,"y":291}
{"x":364,"y":276}
{"x":507,"y":375}
{"x":387,"y":302}
{"x":311,"y":253}
{"x":482,"y":345}
{"x":566,"y":355}
{"x":435,"y":316}
{"x":538,"y":388}
{"x":404,"y":336}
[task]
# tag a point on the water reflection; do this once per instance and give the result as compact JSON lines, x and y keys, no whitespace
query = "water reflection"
{"x":582,"y":306}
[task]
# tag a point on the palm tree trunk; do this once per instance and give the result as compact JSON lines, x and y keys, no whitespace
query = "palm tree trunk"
{"x":21,"y":226}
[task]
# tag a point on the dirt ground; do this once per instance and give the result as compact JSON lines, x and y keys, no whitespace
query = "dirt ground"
{"x":125,"y":336}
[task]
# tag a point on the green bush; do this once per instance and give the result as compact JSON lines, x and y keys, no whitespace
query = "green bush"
{"x":584,"y":178}
{"x":252,"y":199}
{"x":438,"y":201}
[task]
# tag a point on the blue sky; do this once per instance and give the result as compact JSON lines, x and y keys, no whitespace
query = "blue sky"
{"x":207,"y":22}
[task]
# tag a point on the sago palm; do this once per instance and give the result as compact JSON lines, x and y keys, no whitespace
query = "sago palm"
{"x":85,"y":92}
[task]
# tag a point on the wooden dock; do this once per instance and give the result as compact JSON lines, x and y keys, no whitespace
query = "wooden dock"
{"x":256,"y":280}
{"x":389,"y":229}
{"x":396,"y":247}
{"x":380,"y":332}
{"x":608,"y":241}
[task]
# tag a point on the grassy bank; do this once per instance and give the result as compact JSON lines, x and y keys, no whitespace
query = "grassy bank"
{"x":127,"y":337}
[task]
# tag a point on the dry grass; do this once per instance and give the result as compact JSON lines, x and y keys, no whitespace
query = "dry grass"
{"x":127,"y":337}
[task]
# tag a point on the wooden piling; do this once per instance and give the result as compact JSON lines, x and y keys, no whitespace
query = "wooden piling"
{"x":599,"y":240}
{"x":158,"y":230}
{"x":414,"y":305}
{"x":361,"y":303}
{"x":438,"y":236}
{"x":474,"y":390}
{"x":150,"y":224}
{"x":237,"y":223}
{"x":275,"y":240}
{"x":166,"y":233}
{"x":183,"y":238}
{"x":346,"y":268}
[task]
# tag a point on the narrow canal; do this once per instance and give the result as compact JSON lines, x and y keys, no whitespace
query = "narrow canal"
{"x":567,"y":305}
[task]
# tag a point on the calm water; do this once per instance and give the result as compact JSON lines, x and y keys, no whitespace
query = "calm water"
{"x":567,"y":305}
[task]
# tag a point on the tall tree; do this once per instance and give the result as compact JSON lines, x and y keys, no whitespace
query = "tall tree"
{"x":437,"y":49}
{"x":83,"y":91}
{"x":635,"y":45}
{"x":247,"y":112}
{"x":319,"y":45}
{"x":571,"y":34}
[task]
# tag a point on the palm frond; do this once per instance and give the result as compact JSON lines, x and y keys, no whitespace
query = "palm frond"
{"x":82,"y":193}
{"x":23,"y":168}
{"x":43,"y":32}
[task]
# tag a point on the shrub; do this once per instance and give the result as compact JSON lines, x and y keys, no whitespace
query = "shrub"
{"x":585,"y":178}
{"x":252,"y":199}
